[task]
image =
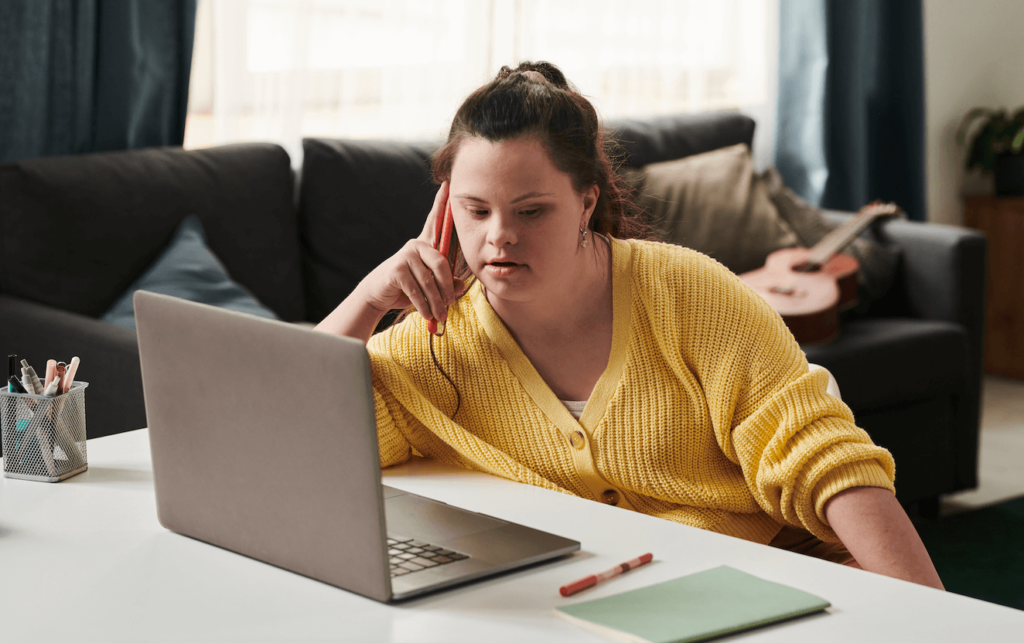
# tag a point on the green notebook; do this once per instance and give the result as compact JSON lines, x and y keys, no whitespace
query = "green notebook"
{"x":700,"y":606}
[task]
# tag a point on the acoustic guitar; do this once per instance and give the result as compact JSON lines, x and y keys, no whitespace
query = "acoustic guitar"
{"x":809,"y":287}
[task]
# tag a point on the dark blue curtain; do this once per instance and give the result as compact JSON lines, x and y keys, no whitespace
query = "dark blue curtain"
{"x":92,"y":75}
{"x":851,"y":102}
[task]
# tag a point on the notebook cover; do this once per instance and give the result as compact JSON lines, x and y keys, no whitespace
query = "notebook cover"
{"x":697,"y":607}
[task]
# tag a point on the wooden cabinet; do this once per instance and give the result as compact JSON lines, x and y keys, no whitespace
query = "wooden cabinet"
{"x":1002,"y":219}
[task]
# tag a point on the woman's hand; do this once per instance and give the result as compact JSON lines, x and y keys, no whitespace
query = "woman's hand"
{"x":417,"y":274}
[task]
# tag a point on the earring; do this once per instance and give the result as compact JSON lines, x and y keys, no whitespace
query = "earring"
{"x":584,"y":243}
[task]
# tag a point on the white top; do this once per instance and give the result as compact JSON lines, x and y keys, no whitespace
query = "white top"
{"x":576,"y":408}
{"x":86,"y":560}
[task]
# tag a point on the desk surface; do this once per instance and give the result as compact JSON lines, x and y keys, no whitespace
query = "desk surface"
{"x":86,"y":559}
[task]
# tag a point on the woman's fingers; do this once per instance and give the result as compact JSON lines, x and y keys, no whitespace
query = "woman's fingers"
{"x":442,"y":274}
{"x":436,"y":212}
{"x":411,"y":288}
{"x":423,"y":276}
{"x":426,"y":278}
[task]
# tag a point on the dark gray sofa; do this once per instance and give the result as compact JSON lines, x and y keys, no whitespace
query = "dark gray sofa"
{"x":76,"y":231}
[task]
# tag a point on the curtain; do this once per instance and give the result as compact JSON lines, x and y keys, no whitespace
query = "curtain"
{"x":91,"y":75}
{"x":278,"y":71}
{"x":850,"y":125}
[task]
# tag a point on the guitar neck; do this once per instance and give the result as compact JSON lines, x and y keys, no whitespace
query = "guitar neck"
{"x":839,"y":238}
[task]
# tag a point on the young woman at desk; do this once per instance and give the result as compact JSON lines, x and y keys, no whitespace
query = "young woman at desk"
{"x":585,"y":360}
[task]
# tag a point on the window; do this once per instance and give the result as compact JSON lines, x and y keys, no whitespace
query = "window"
{"x":278,"y":70}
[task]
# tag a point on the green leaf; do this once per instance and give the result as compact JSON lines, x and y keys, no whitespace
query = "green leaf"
{"x":980,"y":151}
{"x":1018,"y":141}
{"x":1000,"y":133}
{"x":965,"y":124}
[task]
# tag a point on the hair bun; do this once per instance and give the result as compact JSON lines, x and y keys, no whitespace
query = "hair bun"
{"x":550,"y":73}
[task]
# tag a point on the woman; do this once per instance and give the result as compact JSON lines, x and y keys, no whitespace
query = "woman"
{"x":635,"y":373}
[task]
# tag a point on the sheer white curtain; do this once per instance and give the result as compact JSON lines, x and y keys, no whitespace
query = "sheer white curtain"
{"x":278,"y":70}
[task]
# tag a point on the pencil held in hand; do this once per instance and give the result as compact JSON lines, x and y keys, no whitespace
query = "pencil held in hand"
{"x":608,"y":574}
{"x":444,"y":243}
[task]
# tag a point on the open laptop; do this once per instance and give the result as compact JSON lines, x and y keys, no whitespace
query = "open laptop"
{"x":264,"y":442}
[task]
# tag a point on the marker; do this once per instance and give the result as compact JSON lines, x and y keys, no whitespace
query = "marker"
{"x":51,"y":388}
{"x":69,"y":375}
{"x":51,"y":369}
{"x":27,"y":383}
{"x":608,"y":574}
{"x":29,"y":373}
{"x":12,"y":368}
{"x":14,"y":386}
{"x":59,"y":373}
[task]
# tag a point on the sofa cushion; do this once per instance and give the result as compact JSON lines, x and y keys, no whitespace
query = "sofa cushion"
{"x":360,"y":201}
{"x":713,"y":203}
{"x":78,"y":230}
{"x":188,"y":270}
{"x":880,"y":362}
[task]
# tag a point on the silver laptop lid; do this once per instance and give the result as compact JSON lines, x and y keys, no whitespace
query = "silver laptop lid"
{"x":264,"y":440}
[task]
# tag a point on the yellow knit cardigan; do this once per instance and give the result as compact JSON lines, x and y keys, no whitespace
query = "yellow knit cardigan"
{"x":706,"y":413}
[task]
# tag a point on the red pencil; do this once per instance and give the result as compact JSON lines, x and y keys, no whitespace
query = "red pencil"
{"x":594,"y":579}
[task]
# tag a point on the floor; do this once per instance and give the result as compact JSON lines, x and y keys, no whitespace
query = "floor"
{"x":1001,"y":459}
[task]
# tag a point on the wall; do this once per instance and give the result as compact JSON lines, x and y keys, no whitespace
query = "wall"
{"x":973,"y":53}
{"x":764,"y":114}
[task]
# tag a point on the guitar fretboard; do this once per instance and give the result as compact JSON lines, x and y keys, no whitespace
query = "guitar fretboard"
{"x":841,"y":237}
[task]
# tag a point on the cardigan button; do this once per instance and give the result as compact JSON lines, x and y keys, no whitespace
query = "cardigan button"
{"x":577,"y":440}
{"x":610,"y":497}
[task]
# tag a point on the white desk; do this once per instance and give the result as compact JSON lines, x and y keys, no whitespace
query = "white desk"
{"x":86,"y":560}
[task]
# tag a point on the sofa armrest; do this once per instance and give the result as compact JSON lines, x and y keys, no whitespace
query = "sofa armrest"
{"x":109,"y":354}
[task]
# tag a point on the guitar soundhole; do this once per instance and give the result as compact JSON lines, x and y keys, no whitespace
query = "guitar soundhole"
{"x":807,"y":266}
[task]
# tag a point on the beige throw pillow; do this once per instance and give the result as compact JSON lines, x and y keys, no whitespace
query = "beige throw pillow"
{"x":714,"y":203}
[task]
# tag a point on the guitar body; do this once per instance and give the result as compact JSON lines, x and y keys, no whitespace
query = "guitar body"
{"x":809,"y":302}
{"x":808,"y":287}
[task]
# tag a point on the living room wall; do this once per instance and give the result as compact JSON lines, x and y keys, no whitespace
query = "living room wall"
{"x":972,"y":58}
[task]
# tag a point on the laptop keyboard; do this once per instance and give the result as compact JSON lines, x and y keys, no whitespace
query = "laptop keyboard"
{"x":408,"y":555}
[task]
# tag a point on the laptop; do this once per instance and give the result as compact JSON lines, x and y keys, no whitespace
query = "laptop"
{"x":264,"y":442}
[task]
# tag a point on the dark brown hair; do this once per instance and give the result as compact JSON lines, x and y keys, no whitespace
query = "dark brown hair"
{"x":518,"y":104}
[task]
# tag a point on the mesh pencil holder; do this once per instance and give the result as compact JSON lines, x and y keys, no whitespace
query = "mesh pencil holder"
{"x":44,"y":437}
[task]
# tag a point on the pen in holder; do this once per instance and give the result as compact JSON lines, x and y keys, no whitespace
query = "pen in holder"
{"x":44,"y":437}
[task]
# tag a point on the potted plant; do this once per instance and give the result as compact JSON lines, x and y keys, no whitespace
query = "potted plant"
{"x":996,"y":147}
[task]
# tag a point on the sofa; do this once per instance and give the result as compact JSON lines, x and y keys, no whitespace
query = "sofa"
{"x":76,"y":231}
